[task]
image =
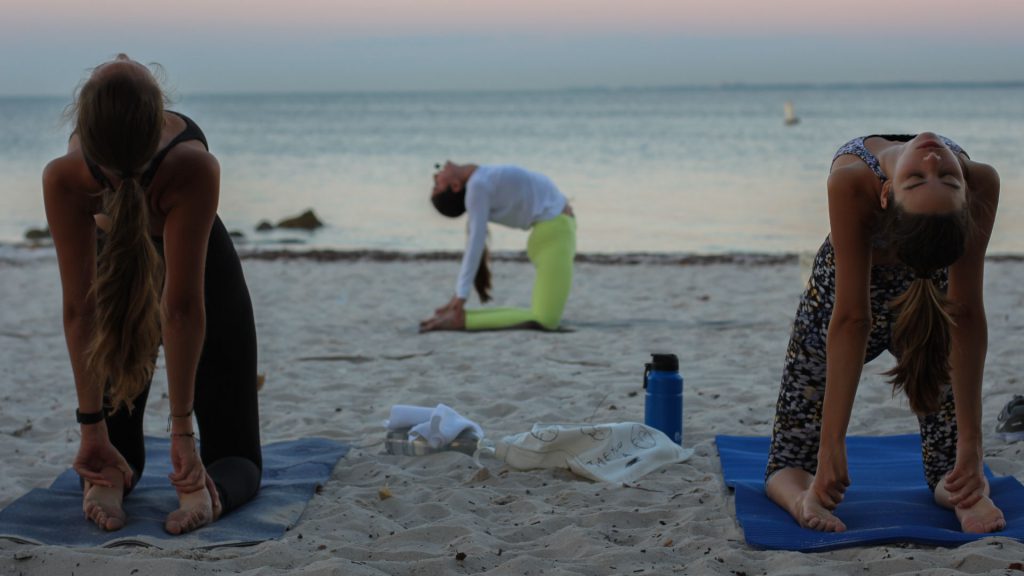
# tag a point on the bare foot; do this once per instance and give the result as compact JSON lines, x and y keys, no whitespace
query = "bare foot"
{"x":446,"y":320}
{"x":102,"y":504}
{"x":195,"y":510}
{"x":811,"y":514}
{"x":981,"y":518}
{"x":790,"y":488}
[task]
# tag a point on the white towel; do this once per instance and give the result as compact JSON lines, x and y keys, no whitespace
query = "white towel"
{"x":438,"y":426}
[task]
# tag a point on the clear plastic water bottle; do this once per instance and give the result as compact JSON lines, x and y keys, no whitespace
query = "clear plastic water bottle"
{"x":663,"y":402}
{"x":397,"y":442}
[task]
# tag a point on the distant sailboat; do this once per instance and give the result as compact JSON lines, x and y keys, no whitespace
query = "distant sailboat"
{"x":789,"y":116}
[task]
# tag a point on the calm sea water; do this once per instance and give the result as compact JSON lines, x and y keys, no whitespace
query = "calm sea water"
{"x":655,"y":170}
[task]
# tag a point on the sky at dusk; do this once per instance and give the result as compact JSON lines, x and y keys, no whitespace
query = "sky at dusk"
{"x":46,"y":46}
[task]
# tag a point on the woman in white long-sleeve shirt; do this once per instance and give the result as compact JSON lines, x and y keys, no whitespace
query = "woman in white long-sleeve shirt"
{"x":517,"y":198}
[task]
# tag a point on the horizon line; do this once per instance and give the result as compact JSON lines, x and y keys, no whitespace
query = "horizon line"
{"x":719,"y":86}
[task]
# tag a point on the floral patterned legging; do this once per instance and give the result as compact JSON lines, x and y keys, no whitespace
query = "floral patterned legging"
{"x":797,"y":429}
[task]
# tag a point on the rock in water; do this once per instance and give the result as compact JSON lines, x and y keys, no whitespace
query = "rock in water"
{"x":305,"y":221}
{"x":37,"y":234}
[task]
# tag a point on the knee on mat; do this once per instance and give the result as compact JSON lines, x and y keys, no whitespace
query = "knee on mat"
{"x":237,"y":479}
{"x":549,"y":321}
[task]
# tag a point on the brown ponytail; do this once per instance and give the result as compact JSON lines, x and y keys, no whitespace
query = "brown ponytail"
{"x":922,"y":335}
{"x":922,"y":332}
{"x":119,"y":118}
{"x":482,"y":280}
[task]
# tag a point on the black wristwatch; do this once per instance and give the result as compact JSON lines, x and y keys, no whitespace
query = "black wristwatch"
{"x":89,"y":417}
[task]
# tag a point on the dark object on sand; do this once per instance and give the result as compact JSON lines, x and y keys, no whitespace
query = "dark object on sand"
{"x":264,"y":226}
{"x":1011,"y":420}
{"x":37,"y":234}
{"x":305,"y":221}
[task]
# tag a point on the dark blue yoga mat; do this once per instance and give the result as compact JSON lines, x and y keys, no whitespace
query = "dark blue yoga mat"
{"x":291,"y":472}
{"x":888,"y":501}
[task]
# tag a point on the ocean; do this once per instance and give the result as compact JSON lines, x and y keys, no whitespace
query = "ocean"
{"x":662,"y":170}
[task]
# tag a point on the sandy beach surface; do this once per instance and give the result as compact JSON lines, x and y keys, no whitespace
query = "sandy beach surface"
{"x":339,"y":346}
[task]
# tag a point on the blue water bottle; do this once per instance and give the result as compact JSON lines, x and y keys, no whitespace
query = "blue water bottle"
{"x":663,"y":403}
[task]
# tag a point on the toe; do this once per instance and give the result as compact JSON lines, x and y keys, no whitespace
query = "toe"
{"x":113,"y":523}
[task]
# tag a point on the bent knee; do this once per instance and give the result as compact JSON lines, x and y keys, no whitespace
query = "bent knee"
{"x":549,"y":321}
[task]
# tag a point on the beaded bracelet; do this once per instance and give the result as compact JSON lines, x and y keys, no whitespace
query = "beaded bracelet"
{"x":171,"y":416}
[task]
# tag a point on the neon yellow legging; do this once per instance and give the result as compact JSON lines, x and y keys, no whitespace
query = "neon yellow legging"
{"x":552,"y":249}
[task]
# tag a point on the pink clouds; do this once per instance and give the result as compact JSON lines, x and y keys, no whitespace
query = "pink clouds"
{"x":867,"y":18}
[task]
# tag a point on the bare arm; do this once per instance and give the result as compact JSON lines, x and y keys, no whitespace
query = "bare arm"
{"x":69,"y":214}
{"x":970,"y":333}
{"x":850,"y":325}
{"x":74,"y":238}
{"x":190,"y":215}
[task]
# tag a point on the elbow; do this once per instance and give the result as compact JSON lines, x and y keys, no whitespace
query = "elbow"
{"x":181,"y":313}
{"x":970,"y":320}
{"x":850,"y":322}
{"x":75,"y":313}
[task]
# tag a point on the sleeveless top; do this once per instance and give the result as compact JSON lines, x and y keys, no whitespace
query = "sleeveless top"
{"x":857,"y":148}
{"x":191,"y":132}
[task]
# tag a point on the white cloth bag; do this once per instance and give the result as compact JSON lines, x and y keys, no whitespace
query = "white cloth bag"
{"x":617,"y":453}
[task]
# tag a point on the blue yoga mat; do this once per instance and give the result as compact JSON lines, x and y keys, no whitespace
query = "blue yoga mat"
{"x":291,"y":472}
{"x":888,"y":501}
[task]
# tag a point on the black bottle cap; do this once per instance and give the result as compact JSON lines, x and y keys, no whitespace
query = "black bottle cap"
{"x":664,"y":362}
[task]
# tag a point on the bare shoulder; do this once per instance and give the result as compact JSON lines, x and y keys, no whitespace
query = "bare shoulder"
{"x":191,"y":163}
{"x":60,"y":170}
{"x":851,"y":174}
{"x":68,"y":178}
{"x":983,"y":200}
{"x":853,"y":189}
{"x":982,"y":181}
{"x":188,"y":176}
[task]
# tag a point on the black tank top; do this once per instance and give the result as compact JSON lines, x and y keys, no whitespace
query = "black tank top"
{"x":191,"y":132}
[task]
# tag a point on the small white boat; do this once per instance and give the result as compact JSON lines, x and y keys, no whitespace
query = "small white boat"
{"x":789,"y":116}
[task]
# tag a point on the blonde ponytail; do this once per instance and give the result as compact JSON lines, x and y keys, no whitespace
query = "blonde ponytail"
{"x":126,"y":333}
{"x":119,"y":119}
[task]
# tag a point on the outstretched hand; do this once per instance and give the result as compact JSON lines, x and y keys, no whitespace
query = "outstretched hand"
{"x":95,"y":454}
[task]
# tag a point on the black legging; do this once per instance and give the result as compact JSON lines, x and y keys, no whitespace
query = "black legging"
{"x":225,"y":402}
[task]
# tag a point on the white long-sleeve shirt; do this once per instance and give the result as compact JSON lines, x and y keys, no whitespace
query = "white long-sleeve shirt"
{"x":507,"y":195}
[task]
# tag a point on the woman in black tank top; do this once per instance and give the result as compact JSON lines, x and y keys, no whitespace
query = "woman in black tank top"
{"x":161,"y":270}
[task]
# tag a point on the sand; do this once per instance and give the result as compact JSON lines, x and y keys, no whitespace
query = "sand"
{"x":338,"y":343}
